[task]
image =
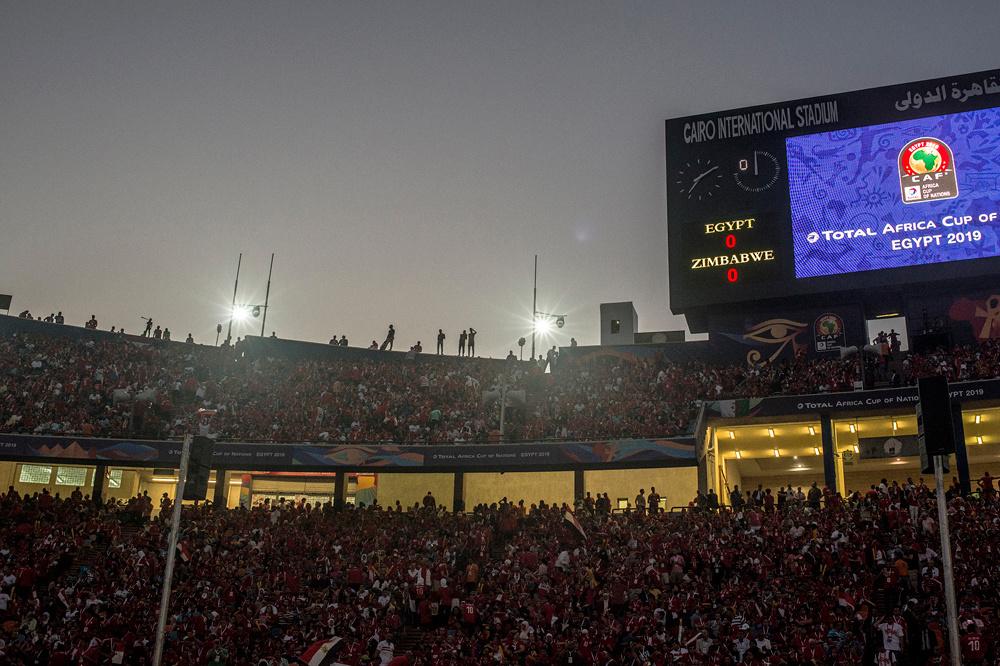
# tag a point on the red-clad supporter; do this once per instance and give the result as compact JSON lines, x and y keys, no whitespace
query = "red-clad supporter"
{"x":119,"y":387}
{"x":837,"y":585}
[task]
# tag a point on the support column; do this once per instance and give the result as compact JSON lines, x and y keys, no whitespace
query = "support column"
{"x":829,"y":461}
{"x":458,"y":501}
{"x":706,"y":460}
{"x":221,"y":489}
{"x":97,"y":494}
{"x":577,"y":485}
{"x":961,"y":454}
{"x":841,"y":477}
{"x":339,"y":491}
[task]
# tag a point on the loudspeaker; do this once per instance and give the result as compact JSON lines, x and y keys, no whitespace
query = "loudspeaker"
{"x":199,"y":467}
{"x":934,"y":427}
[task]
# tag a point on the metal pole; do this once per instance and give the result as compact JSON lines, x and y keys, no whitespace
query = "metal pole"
{"x":503,"y":406}
{"x":949,"y":580}
{"x":229,"y":332}
{"x":168,"y":571}
{"x":534,"y":309}
{"x":267,"y":294}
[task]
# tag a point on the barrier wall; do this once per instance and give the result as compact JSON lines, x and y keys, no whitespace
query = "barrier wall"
{"x":409,"y":489}
{"x":677,"y":486}
{"x":486,"y":488}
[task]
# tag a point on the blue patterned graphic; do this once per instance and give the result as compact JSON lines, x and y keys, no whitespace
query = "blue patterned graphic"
{"x":847,"y":183}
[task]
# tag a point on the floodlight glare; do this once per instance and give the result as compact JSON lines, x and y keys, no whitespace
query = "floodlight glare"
{"x":543,"y":325}
{"x":241,"y":313}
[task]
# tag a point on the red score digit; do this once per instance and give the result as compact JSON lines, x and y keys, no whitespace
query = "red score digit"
{"x":732,"y":275}
{"x":731,"y":241}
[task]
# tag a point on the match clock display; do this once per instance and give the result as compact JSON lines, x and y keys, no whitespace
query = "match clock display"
{"x":699,"y":180}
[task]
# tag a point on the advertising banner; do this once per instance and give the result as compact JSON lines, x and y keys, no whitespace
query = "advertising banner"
{"x":356,"y":457}
{"x":891,"y":398}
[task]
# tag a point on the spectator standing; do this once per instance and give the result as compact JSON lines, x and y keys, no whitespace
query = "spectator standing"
{"x":149,"y":327}
{"x":190,"y":340}
{"x":166,"y":334}
{"x":343,"y":341}
{"x":462,"y":338}
{"x":390,"y":336}
{"x":158,"y":334}
{"x":640,"y":501}
{"x":440,"y":340}
{"x":654,"y":500}
{"x":551,"y":357}
{"x":814,"y":496}
{"x":59,"y":318}
{"x":92,"y":323}
{"x":472,"y":341}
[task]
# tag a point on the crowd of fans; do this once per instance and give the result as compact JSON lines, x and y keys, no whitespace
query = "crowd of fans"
{"x":855,"y":581}
{"x":120,"y":387}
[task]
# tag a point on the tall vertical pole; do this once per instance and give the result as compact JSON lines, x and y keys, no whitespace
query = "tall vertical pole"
{"x":229,"y":332}
{"x":949,"y":580}
{"x":534,"y":310}
{"x":267,"y":295}
{"x":503,"y":405}
{"x":168,"y":572}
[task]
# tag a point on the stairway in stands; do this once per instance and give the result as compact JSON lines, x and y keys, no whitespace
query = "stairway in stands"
{"x":90,"y":554}
{"x":409,"y":641}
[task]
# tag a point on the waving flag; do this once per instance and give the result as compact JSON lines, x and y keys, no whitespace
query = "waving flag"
{"x":323,"y":653}
{"x":571,"y":519}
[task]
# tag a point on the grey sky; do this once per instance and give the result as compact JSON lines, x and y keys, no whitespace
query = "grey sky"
{"x":404,"y":159}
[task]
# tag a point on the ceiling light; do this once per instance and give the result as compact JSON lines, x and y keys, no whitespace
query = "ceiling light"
{"x":979,"y":439}
{"x":739,"y":455}
{"x":732,"y":435}
{"x":979,"y":419}
{"x":770,"y":433}
{"x":857,"y":449}
{"x":815,"y":450}
{"x":854,"y":428}
{"x":776,"y":453}
{"x":812,"y":430}
{"x":895,"y":425}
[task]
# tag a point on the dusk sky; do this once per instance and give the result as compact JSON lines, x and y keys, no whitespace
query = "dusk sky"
{"x":404,"y":160}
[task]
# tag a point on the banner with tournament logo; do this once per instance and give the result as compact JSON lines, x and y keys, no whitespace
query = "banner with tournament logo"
{"x":828,"y":332}
{"x":779,"y":336}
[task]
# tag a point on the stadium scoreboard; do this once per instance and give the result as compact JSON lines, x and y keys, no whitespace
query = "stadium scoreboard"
{"x":856,"y":191}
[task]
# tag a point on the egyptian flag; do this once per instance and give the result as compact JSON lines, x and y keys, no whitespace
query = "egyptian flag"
{"x":323,"y":653}
{"x":182,"y":550}
{"x":571,"y":519}
{"x":118,"y":656}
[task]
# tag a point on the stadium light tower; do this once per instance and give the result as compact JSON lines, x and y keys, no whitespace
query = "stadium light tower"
{"x":542,"y":322}
{"x":232,"y":309}
{"x":534,"y":309}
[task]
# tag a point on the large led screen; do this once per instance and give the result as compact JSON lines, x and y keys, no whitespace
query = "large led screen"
{"x":906,"y":193}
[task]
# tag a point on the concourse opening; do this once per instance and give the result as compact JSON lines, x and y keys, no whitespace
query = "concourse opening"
{"x":772,"y":455}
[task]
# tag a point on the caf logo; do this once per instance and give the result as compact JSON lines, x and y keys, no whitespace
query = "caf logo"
{"x":829,"y":324}
{"x":927,"y":171}
{"x":828,"y":331}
